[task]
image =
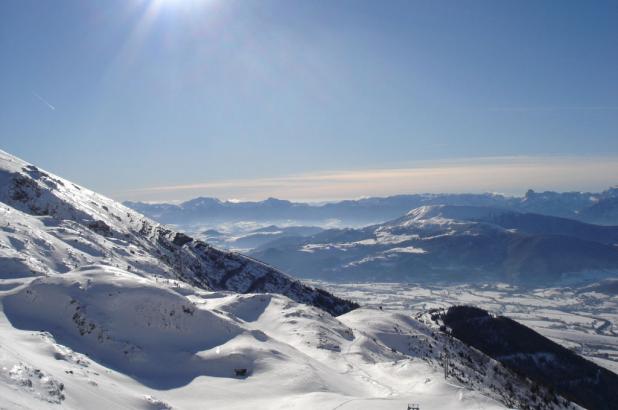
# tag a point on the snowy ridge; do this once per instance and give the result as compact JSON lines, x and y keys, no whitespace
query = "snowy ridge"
{"x":451,"y":212}
{"x":75,"y":226}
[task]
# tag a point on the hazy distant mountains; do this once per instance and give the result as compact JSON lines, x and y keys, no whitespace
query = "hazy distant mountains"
{"x":540,"y":237}
{"x":445,"y":242}
{"x":598,"y":208}
{"x":254,"y":238}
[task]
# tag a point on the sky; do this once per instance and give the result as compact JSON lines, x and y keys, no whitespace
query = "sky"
{"x":163,"y":100}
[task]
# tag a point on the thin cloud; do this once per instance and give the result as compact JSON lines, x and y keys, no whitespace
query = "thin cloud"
{"x":496,"y":174}
{"x":44,"y":101}
{"x":556,"y":108}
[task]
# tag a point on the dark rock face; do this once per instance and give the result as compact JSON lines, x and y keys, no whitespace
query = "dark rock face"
{"x":204,"y":266}
{"x":181,"y":239}
{"x":100,"y":227}
{"x":534,"y":356}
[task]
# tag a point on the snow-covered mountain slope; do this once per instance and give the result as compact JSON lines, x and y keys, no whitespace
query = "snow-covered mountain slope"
{"x":101,"y":337}
{"x":102,"y":308}
{"x":460,"y":243}
{"x":50,"y":225}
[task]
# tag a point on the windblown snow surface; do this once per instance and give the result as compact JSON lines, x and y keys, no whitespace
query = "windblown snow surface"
{"x":101,"y":308}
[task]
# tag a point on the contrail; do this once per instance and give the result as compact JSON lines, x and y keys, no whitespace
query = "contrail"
{"x":51,"y":107}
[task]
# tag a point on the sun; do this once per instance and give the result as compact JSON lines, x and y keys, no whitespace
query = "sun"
{"x":182,"y":6}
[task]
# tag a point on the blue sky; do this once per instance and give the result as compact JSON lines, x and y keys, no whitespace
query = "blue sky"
{"x":130,"y":96}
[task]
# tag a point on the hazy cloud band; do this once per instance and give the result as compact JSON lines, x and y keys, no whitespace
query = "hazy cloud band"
{"x":511,"y":175}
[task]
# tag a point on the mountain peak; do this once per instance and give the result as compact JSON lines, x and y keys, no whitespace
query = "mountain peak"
{"x":454,"y":212}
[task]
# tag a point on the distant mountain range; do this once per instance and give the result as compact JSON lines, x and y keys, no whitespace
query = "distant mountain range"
{"x":445,"y":242}
{"x":599,"y":208}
